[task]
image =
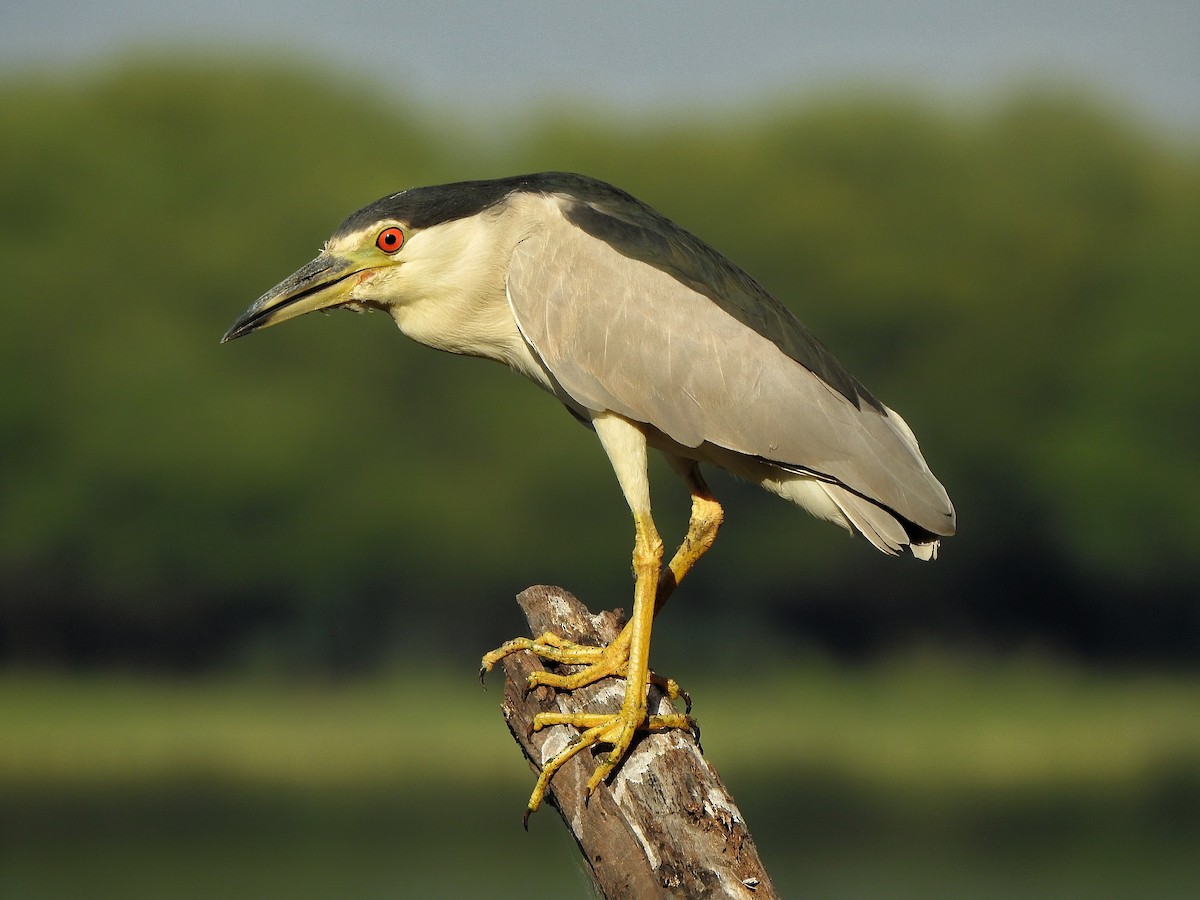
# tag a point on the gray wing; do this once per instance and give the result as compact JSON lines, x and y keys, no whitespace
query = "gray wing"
{"x":620,"y":334}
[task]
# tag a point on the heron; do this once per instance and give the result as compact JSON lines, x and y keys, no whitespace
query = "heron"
{"x":652,"y":339}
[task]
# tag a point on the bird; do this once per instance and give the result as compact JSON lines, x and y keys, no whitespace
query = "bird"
{"x":655,"y":341}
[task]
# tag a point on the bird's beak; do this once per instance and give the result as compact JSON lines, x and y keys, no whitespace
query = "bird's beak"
{"x":323,"y":283}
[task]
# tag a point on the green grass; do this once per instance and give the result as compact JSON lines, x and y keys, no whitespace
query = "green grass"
{"x":88,"y":732}
{"x":918,"y":778}
{"x":917,"y":724}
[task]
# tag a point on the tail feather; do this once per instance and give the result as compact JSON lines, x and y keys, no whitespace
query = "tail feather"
{"x":879,"y":526}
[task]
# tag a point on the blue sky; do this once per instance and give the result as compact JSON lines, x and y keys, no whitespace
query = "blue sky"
{"x":498,"y":57}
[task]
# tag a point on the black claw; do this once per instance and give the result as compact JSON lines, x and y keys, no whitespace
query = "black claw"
{"x":483,"y":672}
{"x":687,"y":700}
{"x":525,"y":818}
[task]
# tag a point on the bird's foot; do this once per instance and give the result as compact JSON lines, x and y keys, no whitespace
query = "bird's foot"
{"x":615,"y":729}
{"x":597,"y":662}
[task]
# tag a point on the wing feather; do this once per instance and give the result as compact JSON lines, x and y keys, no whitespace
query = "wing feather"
{"x":617,"y":333}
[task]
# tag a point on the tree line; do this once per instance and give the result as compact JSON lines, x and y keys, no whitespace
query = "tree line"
{"x":1021,"y":282}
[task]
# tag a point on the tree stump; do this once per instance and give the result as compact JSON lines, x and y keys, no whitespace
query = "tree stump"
{"x":663,"y":825}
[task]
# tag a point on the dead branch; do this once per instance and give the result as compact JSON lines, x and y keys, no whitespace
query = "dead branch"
{"x":664,"y":825}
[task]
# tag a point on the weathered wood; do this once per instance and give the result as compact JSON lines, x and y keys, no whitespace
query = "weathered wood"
{"x":664,"y":824}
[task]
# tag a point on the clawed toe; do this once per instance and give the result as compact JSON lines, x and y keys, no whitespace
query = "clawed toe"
{"x":614,"y":729}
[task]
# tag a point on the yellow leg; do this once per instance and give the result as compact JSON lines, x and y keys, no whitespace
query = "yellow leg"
{"x":618,"y":729}
{"x":707,"y":516}
{"x":628,"y":655}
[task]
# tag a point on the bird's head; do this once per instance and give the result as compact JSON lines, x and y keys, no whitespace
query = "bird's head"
{"x":359,"y":268}
{"x":423,"y":243}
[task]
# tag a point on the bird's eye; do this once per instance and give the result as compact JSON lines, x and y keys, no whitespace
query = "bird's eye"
{"x":390,"y":240}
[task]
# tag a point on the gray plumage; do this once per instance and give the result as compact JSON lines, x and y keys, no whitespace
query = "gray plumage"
{"x":685,"y":341}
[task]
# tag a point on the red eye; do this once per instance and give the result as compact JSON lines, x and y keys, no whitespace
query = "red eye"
{"x":390,"y":240}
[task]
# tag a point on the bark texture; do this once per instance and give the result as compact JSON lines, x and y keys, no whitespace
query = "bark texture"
{"x":664,"y":825}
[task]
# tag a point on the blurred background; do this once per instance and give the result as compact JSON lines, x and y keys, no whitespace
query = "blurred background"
{"x":244,"y":589}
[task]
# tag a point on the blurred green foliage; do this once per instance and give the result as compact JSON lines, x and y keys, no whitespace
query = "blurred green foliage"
{"x":1020,"y":282}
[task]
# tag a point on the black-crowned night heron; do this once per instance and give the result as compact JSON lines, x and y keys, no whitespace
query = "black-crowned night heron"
{"x":651,"y":338}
